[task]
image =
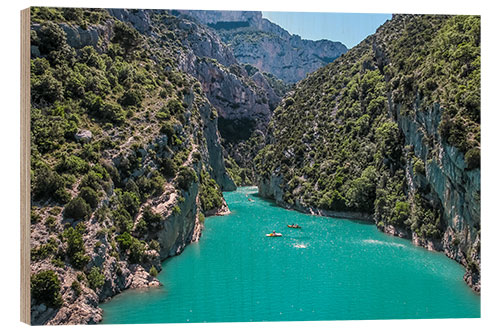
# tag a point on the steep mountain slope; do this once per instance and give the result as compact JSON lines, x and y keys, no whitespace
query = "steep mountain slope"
{"x":389,"y":132}
{"x":125,"y":151}
{"x":243,"y":96}
{"x":265,"y":45}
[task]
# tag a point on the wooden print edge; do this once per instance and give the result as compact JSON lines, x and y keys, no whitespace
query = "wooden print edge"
{"x":25,"y":303}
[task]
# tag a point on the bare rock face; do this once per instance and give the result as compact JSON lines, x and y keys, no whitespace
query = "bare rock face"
{"x":243,"y":104}
{"x":78,"y":38}
{"x":138,"y":18}
{"x":267,"y":46}
{"x":456,"y":188}
{"x":83,"y":136}
{"x":214,"y":149}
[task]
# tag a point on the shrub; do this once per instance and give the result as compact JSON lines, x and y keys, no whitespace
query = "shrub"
{"x":90,"y":196}
{"x":73,"y":14}
{"x":95,"y":278}
{"x":46,"y":88}
{"x":176,"y":210}
{"x":361,"y":194}
{"x":473,"y":158}
{"x":77,"y":288}
{"x":168,"y":129}
{"x":167,"y":167}
{"x":46,"y":288}
{"x":151,"y":186}
{"x":77,"y":209}
{"x":175,"y":107}
{"x":103,"y":110}
{"x":419,"y":167}
{"x":401,"y":212}
{"x":134,"y":247}
{"x":124,"y":240}
{"x":154,"y":245}
{"x":122,"y":220}
{"x":92,"y":179}
{"x":45,"y":250}
{"x":51,"y":223}
{"x":126,"y":36}
{"x":130,"y":202}
{"x":72,"y":164}
{"x":141,"y":228}
{"x":75,"y":247}
{"x":132,"y":97}
{"x":49,"y":184}
{"x":210,"y":193}
{"x":153,"y":271}
{"x":186,"y":177}
{"x":51,"y":37}
{"x":58,"y":262}
{"x":90,"y":57}
{"x":136,"y":251}
{"x":150,"y":217}
{"x":35,"y":217}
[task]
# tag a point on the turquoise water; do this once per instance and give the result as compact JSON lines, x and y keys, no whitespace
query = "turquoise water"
{"x":331,"y":269}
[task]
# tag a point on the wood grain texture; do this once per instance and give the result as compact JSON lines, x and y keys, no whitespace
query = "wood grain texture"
{"x":25,"y":166}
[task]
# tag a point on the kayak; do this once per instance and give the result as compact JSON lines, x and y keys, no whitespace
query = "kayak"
{"x":275,"y":235}
{"x":294,"y":227}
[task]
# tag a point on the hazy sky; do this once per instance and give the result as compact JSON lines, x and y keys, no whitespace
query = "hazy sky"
{"x":347,"y":28}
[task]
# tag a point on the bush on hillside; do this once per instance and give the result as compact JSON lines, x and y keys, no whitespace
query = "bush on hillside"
{"x":46,"y":288}
{"x":95,"y":278}
{"x":186,"y":177}
{"x":77,"y":209}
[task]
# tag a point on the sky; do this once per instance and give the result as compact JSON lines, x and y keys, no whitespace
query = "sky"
{"x":348,"y":28}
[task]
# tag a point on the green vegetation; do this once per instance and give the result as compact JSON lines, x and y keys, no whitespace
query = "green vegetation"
{"x":46,"y":288}
{"x":439,"y":58}
{"x":153,"y":271}
{"x":473,"y":158}
{"x":334,"y":163}
{"x":176,"y":210}
{"x":75,"y":247}
{"x":77,"y":288}
{"x":45,"y":250}
{"x":347,"y":154}
{"x":210,"y":193}
{"x":132,"y":246}
{"x":243,"y":172}
{"x":186,"y":177}
{"x":95,"y":278}
{"x":126,"y":90}
{"x":79,"y":16}
{"x":77,"y":209}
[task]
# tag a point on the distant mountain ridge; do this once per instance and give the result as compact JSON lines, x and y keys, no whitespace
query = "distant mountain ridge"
{"x":265,"y":45}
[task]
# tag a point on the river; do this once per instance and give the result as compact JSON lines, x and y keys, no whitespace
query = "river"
{"x":331,"y":269}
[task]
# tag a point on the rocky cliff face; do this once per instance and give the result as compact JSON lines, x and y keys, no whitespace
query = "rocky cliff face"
{"x":243,"y":101}
{"x":146,"y":164}
{"x":383,"y":136}
{"x":265,"y":45}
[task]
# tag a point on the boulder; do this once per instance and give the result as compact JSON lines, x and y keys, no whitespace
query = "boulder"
{"x":83,"y":136}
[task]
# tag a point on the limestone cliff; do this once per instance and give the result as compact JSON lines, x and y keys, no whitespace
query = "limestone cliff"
{"x":243,"y":101}
{"x":265,"y":45}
